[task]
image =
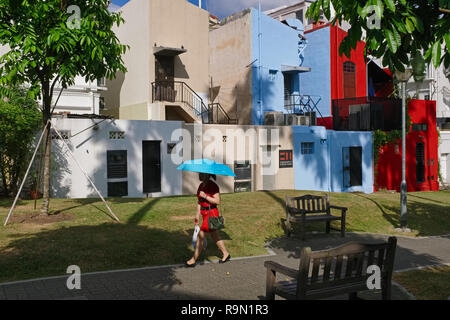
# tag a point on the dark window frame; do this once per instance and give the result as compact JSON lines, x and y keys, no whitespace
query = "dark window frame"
{"x":307,"y":148}
{"x":117,"y":169}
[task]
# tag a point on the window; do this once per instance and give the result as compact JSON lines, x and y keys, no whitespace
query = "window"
{"x":349,"y":69}
{"x":101,"y":82}
{"x":307,"y":147}
{"x":243,"y":186}
{"x":117,"y":164}
{"x":243,"y":170}
{"x":419,"y":127}
{"x":243,"y":179}
{"x":118,"y":189}
{"x":102,"y":103}
{"x":272,"y":75}
{"x":420,"y":162}
{"x":299,"y":15}
{"x":65,"y":134}
{"x":116,"y":135}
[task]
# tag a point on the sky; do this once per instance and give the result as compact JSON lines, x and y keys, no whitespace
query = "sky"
{"x":225,"y":8}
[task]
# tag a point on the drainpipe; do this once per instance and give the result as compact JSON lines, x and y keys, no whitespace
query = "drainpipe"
{"x":260,"y":66}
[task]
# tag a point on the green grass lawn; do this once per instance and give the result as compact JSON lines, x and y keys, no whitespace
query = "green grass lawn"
{"x":159,"y":231}
{"x":426,"y":284}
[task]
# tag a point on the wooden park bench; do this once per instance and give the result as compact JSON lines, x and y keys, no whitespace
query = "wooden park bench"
{"x":328,"y":273}
{"x":308,"y":208}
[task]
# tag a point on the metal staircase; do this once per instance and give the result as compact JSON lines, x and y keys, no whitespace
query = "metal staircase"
{"x":217,"y":115}
{"x":180,"y":93}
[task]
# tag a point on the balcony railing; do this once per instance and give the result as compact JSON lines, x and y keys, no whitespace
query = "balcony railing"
{"x":305,"y":105}
{"x":367,"y":114}
{"x":177,"y":91}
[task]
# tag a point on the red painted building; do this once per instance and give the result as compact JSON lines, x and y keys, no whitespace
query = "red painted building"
{"x":347,"y":75}
{"x":421,"y":153}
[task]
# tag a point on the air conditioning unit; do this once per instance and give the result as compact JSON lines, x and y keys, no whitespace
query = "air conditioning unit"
{"x":312,"y":116}
{"x":274,"y":119}
{"x":304,"y":121}
{"x":291,"y":120}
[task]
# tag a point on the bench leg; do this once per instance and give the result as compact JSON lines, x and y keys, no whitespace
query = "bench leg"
{"x":302,"y":231}
{"x":328,"y":227}
{"x":270,"y":281}
{"x":386,"y":291}
{"x":343,"y":228}
{"x":288,"y":228}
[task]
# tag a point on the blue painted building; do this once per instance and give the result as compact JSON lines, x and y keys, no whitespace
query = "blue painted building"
{"x":277,"y":63}
{"x":202,"y":3}
{"x":332,"y":161}
{"x":318,"y":81}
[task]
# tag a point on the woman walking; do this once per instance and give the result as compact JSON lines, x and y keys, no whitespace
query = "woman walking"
{"x":208,"y":199}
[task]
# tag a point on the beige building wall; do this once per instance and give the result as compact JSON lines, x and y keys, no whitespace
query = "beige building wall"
{"x":150,"y":23}
{"x":283,"y":178}
{"x":177,"y":24}
{"x":230,"y":65}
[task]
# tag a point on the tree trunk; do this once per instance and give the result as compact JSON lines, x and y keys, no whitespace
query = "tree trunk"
{"x":48,"y":145}
{"x":47,"y":175}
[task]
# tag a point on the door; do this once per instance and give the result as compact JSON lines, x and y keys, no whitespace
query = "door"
{"x":288,"y":99}
{"x":151,"y":166}
{"x":164,"y":77}
{"x":356,"y":166}
{"x":352,"y":166}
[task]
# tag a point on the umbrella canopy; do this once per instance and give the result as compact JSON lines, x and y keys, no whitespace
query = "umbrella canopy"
{"x":207,"y":166}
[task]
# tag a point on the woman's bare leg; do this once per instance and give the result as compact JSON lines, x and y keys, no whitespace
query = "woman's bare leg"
{"x":220,"y":244}
{"x":198,"y":247}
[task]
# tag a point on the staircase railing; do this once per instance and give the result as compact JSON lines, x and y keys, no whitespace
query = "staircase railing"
{"x":218,"y":115}
{"x":178,"y":91}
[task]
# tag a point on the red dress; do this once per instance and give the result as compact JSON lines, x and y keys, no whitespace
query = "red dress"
{"x":210,"y":188}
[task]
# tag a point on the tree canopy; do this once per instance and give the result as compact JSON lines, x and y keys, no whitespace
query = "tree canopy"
{"x":55,"y":40}
{"x":407,"y":32}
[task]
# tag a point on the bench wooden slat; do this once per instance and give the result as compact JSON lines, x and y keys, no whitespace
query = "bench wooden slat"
{"x":350,"y":265}
{"x":315,"y":270}
{"x":360,"y":264}
{"x":338,"y":270}
{"x":371,"y":257}
{"x":380,"y":258}
{"x":327,"y":269}
{"x":321,"y":217}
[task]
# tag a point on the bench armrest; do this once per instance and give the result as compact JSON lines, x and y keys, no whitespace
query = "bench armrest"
{"x":281,"y":269}
{"x":339,"y":208}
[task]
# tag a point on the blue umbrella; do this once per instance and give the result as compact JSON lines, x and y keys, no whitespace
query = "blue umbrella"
{"x":207,"y":166}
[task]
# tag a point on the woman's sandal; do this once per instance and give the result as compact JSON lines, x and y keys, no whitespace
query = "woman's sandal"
{"x":187,"y":265}
{"x":226,"y":260}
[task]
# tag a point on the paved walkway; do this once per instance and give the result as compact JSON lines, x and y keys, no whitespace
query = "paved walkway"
{"x":242,"y":278}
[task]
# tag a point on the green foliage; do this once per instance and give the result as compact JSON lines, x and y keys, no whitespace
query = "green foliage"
{"x":19,"y":121}
{"x":45,"y":48}
{"x":416,"y":28}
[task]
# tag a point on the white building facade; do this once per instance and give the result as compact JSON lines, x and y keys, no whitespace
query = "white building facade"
{"x":81,"y":98}
{"x":123,"y":158}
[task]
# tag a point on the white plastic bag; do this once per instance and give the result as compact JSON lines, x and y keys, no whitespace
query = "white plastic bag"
{"x":195,"y":237}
